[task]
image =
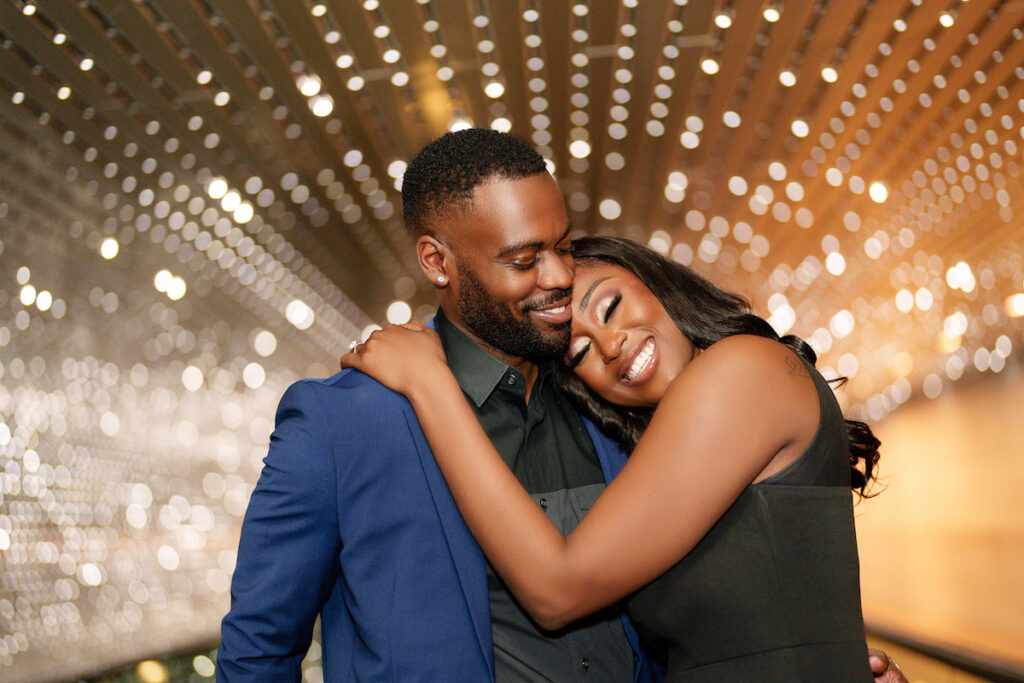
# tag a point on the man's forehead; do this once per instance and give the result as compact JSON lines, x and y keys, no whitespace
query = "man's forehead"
{"x":454,"y":211}
{"x":517,"y":203}
{"x":519,"y":189}
{"x":504,"y":212}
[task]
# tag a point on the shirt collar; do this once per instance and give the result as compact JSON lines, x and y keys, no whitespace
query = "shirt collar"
{"x":477,"y":372}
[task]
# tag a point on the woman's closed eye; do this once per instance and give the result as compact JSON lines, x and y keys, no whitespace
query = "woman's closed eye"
{"x":577,"y":349}
{"x":607,"y":306}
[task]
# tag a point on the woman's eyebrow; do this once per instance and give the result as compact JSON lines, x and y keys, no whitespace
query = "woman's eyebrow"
{"x":590,"y":291}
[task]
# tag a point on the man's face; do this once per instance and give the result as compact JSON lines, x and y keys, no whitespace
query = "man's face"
{"x":513,"y":282}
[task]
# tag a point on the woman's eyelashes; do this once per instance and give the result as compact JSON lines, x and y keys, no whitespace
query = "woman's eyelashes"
{"x":577,"y":349}
{"x":607,"y":307}
{"x":603,"y":311}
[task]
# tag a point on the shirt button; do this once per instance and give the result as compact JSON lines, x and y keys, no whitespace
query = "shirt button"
{"x":511,"y":380}
{"x":544,"y":504}
{"x":585,"y":664}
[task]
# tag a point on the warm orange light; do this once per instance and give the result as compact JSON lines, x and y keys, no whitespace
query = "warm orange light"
{"x":151,"y":671}
{"x":1015,"y":305}
{"x":947,"y":343}
{"x":902,"y":364}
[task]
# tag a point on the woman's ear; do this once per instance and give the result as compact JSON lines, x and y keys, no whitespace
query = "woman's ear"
{"x":435,"y":260}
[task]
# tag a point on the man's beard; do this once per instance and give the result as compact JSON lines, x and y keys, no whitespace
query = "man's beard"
{"x":492,"y":321}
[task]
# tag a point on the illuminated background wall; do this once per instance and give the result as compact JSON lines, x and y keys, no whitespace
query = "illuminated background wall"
{"x":942,"y":549}
{"x":199,"y":203}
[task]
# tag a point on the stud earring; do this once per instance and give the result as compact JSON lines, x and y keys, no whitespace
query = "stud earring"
{"x":440,"y":279}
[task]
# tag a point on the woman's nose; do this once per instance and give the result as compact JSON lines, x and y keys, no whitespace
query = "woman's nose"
{"x":610,"y":345}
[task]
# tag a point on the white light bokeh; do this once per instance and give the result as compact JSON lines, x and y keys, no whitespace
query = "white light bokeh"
{"x":265,"y":343}
{"x":299,"y":314}
{"x":399,"y":312}
{"x":609,"y":209}
{"x":109,"y":248}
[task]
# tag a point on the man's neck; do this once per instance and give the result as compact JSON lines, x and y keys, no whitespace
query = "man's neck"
{"x":527,"y":367}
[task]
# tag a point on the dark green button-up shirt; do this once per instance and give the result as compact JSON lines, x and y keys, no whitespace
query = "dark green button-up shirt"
{"x":547,"y":447}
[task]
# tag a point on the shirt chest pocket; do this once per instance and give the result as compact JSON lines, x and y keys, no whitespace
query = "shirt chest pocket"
{"x":567,"y":507}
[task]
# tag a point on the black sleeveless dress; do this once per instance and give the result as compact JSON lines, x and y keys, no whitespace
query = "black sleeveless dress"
{"x":772,"y":592}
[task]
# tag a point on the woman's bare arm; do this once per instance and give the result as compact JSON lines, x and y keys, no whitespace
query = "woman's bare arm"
{"x":721,"y":422}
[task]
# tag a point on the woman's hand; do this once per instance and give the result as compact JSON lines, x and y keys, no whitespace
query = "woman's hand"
{"x":404,"y":358}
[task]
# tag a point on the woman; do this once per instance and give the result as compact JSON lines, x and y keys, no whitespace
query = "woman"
{"x":730,"y":529}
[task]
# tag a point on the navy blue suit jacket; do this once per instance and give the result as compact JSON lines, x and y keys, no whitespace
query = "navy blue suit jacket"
{"x":351,"y":517}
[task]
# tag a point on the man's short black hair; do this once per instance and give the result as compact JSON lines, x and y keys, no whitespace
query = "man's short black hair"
{"x":440,"y":179}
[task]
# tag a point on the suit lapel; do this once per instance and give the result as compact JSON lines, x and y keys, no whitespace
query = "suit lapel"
{"x":613,"y":459}
{"x":466,"y":554}
{"x":610,"y":456}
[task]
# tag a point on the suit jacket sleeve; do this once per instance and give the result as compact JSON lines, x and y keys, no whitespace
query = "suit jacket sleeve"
{"x":288,"y":551}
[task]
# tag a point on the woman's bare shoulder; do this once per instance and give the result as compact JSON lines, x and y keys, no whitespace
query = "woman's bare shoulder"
{"x":749,"y":364}
{"x":752,"y":353}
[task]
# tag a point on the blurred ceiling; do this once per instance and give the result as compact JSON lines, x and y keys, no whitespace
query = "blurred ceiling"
{"x":241,"y":139}
{"x":199,"y":204}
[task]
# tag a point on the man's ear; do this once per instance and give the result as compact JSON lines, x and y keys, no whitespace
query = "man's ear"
{"x":435,"y":259}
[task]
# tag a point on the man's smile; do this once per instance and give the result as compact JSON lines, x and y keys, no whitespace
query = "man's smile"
{"x":556,"y":313}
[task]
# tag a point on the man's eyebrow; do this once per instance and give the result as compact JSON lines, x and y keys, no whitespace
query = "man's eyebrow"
{"x":590,"y":291}
{"x":537,"y":244}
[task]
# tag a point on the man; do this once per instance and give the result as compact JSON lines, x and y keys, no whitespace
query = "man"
{"x":351,"y":516}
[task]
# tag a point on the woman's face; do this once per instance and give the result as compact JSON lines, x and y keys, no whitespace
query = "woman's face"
{"x":624,"y":345}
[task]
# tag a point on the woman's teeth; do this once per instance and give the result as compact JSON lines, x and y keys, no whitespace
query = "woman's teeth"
{"x":641,"y":361}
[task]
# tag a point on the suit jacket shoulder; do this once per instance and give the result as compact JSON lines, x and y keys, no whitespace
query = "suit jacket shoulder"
{"x":351,"y":516}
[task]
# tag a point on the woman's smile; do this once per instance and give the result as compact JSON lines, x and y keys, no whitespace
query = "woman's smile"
{"x":640,"y":364}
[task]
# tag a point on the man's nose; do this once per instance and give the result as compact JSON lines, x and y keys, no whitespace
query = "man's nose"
{"x":556,"y":273}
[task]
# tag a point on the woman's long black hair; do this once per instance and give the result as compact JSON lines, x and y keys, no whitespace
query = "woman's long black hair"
{"x":704,"y":313}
